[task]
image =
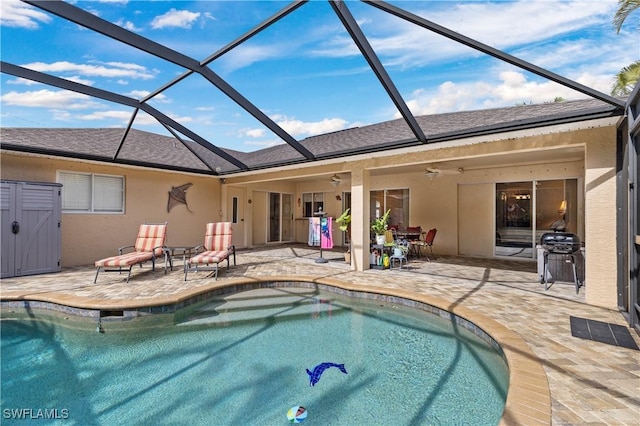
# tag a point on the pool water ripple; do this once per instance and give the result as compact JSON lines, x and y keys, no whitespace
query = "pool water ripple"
{"x":404,"y":366}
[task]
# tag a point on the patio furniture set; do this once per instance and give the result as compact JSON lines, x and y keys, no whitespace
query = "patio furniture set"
{"x":150,"y":246}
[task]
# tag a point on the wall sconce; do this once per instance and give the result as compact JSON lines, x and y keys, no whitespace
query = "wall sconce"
{"x":249,"y":201}
{"x":338,"y":197}
{"x":223,"y":181}
{"x":299,"y":202}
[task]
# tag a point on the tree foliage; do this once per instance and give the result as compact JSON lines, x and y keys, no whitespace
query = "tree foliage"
{"x":624,"y":10}
{"x":627,"y":77}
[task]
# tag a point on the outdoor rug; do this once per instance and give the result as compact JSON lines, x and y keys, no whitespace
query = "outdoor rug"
{"x":598,"y":331}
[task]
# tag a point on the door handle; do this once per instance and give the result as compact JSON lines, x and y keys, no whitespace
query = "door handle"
{"x":15,"y":227}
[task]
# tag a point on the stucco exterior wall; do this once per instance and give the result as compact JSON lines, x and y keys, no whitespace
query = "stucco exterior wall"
{"x":89,"y":237}
{"x":476,"y":219}
{"x":600,"y":219}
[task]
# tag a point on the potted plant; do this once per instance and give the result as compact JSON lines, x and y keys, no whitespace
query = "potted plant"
{"x":400,"y":251}
{"x":344,"y":222}
{"x":379,"y":226}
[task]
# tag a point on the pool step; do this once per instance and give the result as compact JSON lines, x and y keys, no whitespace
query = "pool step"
{"x":263,"y":304}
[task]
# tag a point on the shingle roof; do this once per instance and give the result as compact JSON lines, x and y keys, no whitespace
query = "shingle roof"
{"x":164,"y":152}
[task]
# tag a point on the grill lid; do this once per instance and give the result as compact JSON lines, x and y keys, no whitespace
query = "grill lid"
{"x":560,"y":242}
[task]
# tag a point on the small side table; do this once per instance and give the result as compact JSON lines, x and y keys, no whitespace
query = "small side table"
{"x":171,"y":253}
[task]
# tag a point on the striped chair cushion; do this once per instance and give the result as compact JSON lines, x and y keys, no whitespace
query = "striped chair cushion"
{"x":217,"y":236}
{"x":150,"y":236}
{"x":124,"y":260}
{"x":208,"y":257}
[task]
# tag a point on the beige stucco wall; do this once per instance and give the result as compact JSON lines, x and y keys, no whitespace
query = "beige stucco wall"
{"x":476,"y":219}
{"x":88,"y":237}
{"x":600,"y":219}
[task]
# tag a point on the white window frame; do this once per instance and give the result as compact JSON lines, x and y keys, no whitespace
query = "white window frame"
{"x":118,"y":193}
{"x":317,"y":199}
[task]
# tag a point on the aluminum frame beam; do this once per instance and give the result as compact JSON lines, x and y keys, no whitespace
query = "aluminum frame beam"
{"x":230,"y":46}
{"x":61,"y":83}
{"x":92,"y":22}
{"x":352,"y":27}
{"x":467,"y":41}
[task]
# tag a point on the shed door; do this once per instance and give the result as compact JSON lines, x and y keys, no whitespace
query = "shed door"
{"x":35,"y":247}
{"x":8,"y":216}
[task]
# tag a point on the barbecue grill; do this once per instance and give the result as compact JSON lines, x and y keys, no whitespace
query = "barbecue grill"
{"x":560,"y":244}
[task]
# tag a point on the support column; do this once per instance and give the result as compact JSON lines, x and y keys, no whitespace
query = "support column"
{"x":600,"y":221}
{"x":360,"y":219}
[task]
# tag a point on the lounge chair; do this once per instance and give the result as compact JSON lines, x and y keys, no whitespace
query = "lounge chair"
{"x":148,"y":246}
{"x":216,"y":248}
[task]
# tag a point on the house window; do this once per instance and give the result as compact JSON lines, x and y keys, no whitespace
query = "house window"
{"x":312,"y":202}
{"x":91,"y":193}
{"x":234,"y":210}
{"x":396,"y":200}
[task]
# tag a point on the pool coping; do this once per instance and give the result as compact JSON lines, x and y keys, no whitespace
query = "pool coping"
{"x":528,"y":398}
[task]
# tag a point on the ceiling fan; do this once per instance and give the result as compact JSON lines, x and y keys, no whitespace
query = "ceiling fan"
{"x":434,"y":171}
{"x":335,"y":180}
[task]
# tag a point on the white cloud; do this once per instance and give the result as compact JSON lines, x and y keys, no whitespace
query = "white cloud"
{"x":139,"y":94}
{"x":245,"y":55}
{"x":116,"y":70}
{"x":61,"y":99}
{"x":175,"y":18}
{"x":513,"y":88}
{"x":128,"y":25}
{"x":14,"y":13}
{"x":502,"y":25}
{"x":80,"y":80}
{"x":23,"y":81}
{"x":299,"y":128}
{"x":255,"y":133}
{"x":123,"y":116}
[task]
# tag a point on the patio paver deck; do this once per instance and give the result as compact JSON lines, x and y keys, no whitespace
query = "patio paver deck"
{"x":589,"y":382}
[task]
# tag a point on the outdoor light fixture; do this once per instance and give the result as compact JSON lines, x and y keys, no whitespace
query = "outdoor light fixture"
{"x":563,"y":207}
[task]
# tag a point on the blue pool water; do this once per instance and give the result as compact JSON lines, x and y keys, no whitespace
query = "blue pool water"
{"x":222,"y":366}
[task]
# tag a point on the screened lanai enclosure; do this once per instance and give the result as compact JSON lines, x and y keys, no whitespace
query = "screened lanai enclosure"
{"x":519,"y":209}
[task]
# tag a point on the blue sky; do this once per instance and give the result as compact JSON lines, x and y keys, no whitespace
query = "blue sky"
{"x":304,"y":72}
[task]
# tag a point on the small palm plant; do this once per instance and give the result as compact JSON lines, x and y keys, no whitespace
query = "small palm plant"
{"x":379,"y":225}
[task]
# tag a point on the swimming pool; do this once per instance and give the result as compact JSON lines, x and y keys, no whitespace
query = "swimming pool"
{"x":243,"y":359}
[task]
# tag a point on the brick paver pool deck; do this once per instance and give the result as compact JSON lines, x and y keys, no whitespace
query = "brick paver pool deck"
{"x":582,"y":381}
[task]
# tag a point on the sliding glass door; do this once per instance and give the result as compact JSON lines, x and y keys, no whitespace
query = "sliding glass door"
{"x":396,"y":200}
{"x":280,"y":217}
{"x":526,"y":210}
{"x":514,"y":228}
